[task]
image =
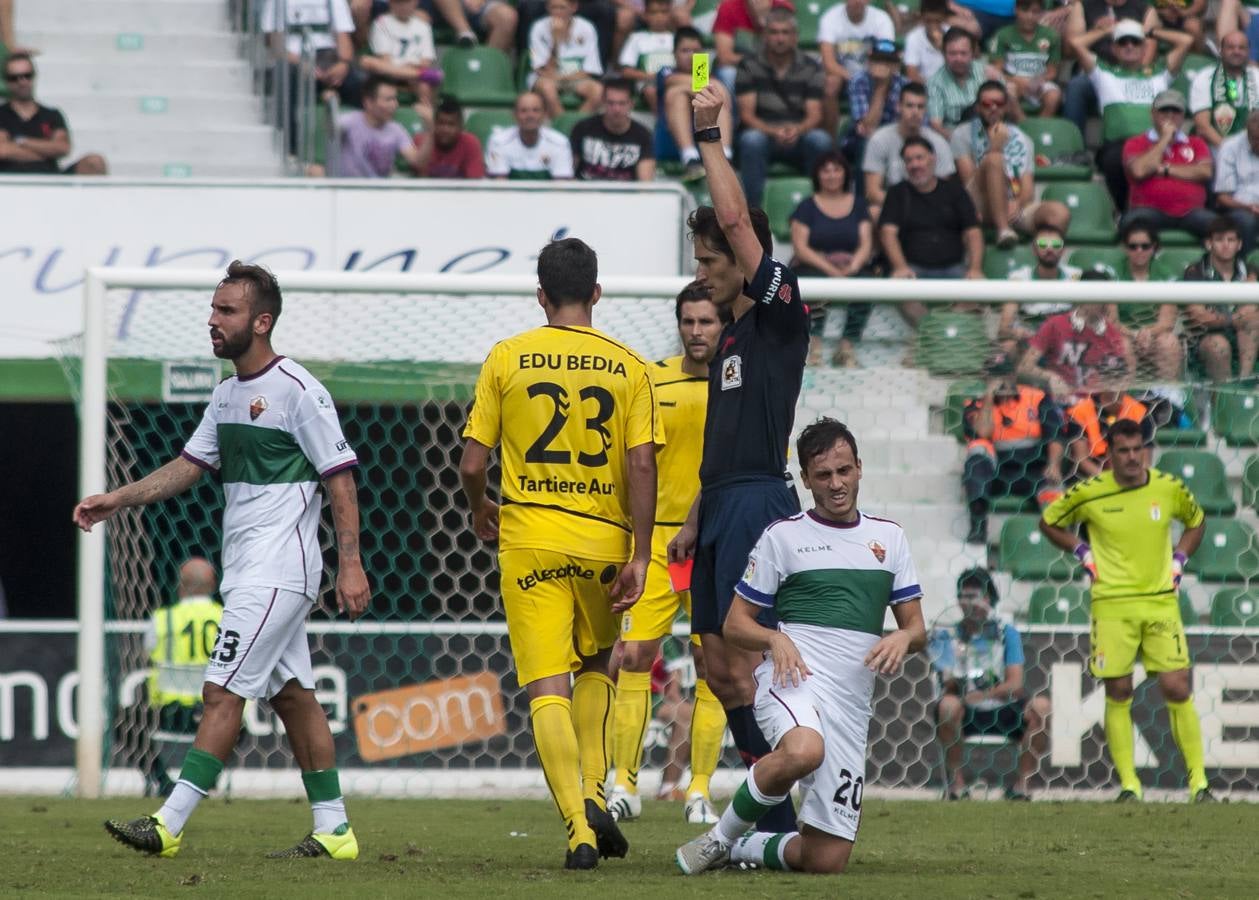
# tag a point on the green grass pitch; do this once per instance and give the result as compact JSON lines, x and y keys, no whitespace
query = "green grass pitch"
{"x":465,"y":848}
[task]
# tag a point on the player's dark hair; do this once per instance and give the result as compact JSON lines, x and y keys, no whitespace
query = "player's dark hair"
{"x":1222,"y":225}
{"x":957,"y":34}
{"x":831,"y":157}
{"x":618,"y":84}
{"x":1126,"y":233}
{"x":915,"y":89}
{"x":917,"y":140}
{"x":264,"y":290}
{"x":979,"y":577}
{"x":448,"y":104}
{"x":696,"y":291}
{"x":686,"y":31}
{"x":19,"y":57}
{"x":821,"y":436}
{"x":1125,"y":428}
{"x":568,"y":272}
{"x":703,"y":224}
{"x":373,"y":84}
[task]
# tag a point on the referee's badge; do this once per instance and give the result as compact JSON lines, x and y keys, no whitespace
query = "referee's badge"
{"x":1155,"y":512}
{"x":732,"y":372}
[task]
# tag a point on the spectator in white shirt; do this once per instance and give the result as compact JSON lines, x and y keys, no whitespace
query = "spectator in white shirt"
{"x":402,"y":50}
{"x":844,"y":34}
{"x":1237,"y":180}
{"x":529,"y":149}
{"x":564,"y":56}
{"x":647,"y":52}
{"x":326,"y":28}
{"x":924,"y":44}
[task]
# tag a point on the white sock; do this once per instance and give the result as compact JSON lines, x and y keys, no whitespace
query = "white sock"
{"x":690,"y":155}
{"x":763,"y":848}
{"x":329,"y":815}
{"x":179,"y":806}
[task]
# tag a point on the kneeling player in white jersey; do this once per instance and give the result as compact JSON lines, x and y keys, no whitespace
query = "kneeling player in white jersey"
{"x":829,"y":574}
{"x":271,"y":434}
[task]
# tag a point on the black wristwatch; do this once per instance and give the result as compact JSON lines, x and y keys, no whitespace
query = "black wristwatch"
{"x":708,"y":135}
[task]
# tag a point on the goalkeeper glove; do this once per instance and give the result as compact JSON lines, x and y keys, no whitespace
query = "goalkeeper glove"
{"x":1178,"y":568}
{"x":1084,"y":554}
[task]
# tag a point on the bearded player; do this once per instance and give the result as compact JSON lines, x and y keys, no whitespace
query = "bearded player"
{"x":682,"y":394}
{"x":271,"y":433}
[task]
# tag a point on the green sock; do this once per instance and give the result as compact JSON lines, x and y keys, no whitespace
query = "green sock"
{"x":322,"y":785}
{"x":201,"y":770}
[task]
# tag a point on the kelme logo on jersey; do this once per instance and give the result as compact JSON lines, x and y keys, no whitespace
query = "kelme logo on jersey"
{"x":257,"y":406}
{"x":537,"y":576}
{"x":879,"y":551}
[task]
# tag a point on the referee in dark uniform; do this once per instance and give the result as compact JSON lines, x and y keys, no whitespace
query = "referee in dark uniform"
{"x":753,"y":384}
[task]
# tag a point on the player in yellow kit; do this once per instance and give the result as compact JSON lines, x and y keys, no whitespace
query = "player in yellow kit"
{"x":1128,"y":510}
{"x":682,"y":394}
{"x":574,"y":413}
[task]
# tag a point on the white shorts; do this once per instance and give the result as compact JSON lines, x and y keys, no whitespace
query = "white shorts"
{"x":835,"y":702}
{"x":262,"y":643}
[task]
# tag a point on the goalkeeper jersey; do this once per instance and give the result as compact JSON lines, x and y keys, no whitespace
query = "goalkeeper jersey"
{"x":271,"y":437}
{"x":683,"y":401}
{"x":565,"y":403}
{"x":1130,"y":534}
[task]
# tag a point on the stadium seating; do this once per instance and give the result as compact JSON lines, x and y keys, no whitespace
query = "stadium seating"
{"x":1235,"y":608}
{"x":1029,"y":556}
{"x":1235,"y":416}
{"x":564,"y":122}
{"x":483,"y":121}
{"x":808,"y":13}
{"x":479,"y":76}
{"x":1176,"y":237}
{"x":1103,"y":259}
{"x":1188,"y":615}
{"x":1059,"y":141}
{"x":951,"y":343}
{"x":1092,"y":212}
{"x":998,"y":264}
{"x":1176,"y":258}
{"x":1229,"y":552}
{"x":1059,"y":604}
{"x":955,"y":404}
{"x":1250,"y":483}
{"x":1203,"y":472}
{"x":782,"y":196}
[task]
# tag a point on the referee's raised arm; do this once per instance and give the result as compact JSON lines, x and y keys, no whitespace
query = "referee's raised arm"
{"x":723,"y":184}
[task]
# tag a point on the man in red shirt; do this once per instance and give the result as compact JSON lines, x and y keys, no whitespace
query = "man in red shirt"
{"x":734,"y":16}
{"x":1168,"y":171}
{"x":1070,"y":346}
{"x":445,"y":149}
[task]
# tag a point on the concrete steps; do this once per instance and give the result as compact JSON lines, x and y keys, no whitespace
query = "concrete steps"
{"x":142,"y":16}
{"x":64,"y":74}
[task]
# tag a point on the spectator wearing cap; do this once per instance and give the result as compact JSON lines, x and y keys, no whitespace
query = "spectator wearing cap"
{"x":1090,"y":418}
{"x":1237,"y":180}
{"x":951,"y":91}
{"x":780,"y":106}
{"x":874,"y":95}
{"x":1168,"y":171}
{"x":845,"y":34}
{"x":1028,"y":52}
{"x":1221,"y":97}
{"x":1080,"y":97}
{"x":1126,"y":88}
{"x":979,"y":663}
{"x":1014,"y":444}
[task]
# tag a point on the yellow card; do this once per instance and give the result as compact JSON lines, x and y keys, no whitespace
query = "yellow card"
{"x":699,"y":72}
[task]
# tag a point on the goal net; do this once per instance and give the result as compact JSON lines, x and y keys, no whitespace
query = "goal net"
{"x":421,"y":693}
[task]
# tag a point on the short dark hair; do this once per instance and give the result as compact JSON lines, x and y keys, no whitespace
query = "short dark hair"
{"x":913,"y":87}
{"x":1050,"y":226}
{"x":979,"y":577}
{"x":1095,"y":275}
{"x":264,"y":290}
{"x":449,"y":105}
{"x":780,"y":15}
{"x":20,"y":57}
{"x":1133,"y":227}
{"x":1125,"y":428}
{"x":821,"y":436}
{"x":828,"y":158}
{"x":1222,"y":225}
{"x":992,"y":85}
{"x":934,"y":6}
{"x":568,"y":271}
{"x":703,"y":224}
{"x":647,"y":3}
{"x":957,"y":34}
{"x":1028,"y":4}
{"x":699,"y":291}
{"x":618,"y":84}
{"x":917,"y":140}
{"x":373,"y":84}
{"x":687,"y":31}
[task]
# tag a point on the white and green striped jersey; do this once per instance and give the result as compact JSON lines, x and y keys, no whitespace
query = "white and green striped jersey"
{"x":811,"y":571}
{"x":272,"y":437}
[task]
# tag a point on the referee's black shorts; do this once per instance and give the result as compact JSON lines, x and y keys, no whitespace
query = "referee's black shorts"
{"x":731,"y":519}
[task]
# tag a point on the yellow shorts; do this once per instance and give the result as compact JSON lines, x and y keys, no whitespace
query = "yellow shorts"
{"x":652,"y":617}
{"x":558,"y":610}
{"x":1114,"y":644}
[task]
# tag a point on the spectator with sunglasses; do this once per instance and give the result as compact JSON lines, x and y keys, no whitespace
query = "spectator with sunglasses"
{"x":1168,"y":171}
{"x":1126,"y":88}
{"x":1080,"y":97}
{"x":33,"y":137}
{"x":1150,"y":327}
{"x":1019,"y":322}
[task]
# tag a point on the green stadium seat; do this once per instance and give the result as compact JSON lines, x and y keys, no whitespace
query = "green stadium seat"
{"x":565,"y":121}
{"x":1235,"y":416}
{"x":1195,"y":63}
{"x":1058,"y":141}
{"x":955,"y":404}
{"x":479,"y":76}
{"x":782,"y":196}
{"x":1235,"y":608}
{"x":1188,"y":615}
{"x":1176,"y":237}
{"x":1029,"y":556}
{"x":1250,"y":483}
{"x":1203,"y":472}
{"x":998,"y":264}
{"x":1180,"y":437}
{"x":1008,"y":503}
{"x":408,"y":118}
{"x":1059,"y":604}
{"x":808,"y":13}
{"x":484,"y":121}
{"x":1176,"y":258}
{"x":1125,"y":119}
{"x":1229,"y":552}
{"x":1092,"y":212}
{"x":951,"y":343}
{"x":1103,"y":259}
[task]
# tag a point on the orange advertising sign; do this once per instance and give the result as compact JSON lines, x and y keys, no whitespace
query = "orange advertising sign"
{"x":429,"y":716}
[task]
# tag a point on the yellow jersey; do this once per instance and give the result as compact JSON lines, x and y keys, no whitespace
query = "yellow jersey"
{"x":565,"y":403}
{"x":683,"y":401}
{"x":1130,"y":533}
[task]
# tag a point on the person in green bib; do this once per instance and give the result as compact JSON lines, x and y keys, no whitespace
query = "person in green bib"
{"x":179,"y":639}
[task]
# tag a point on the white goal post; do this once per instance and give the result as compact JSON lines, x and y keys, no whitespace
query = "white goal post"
{"x":94,"y":394}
